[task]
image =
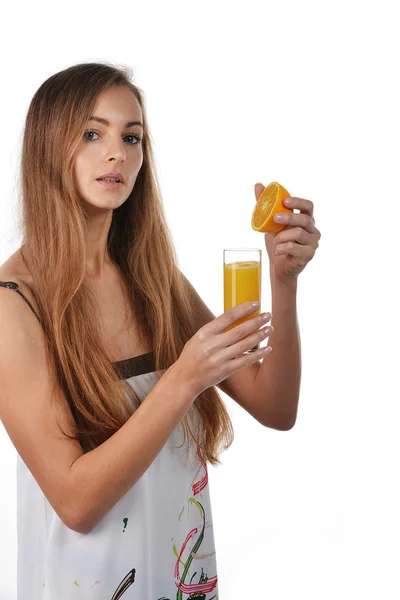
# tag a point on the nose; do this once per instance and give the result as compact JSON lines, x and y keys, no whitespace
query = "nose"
{"x":116,"y":150}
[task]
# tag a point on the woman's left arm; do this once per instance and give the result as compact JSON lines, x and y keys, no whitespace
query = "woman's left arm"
{"x":278,"y":378}
{"x":289,"y":251}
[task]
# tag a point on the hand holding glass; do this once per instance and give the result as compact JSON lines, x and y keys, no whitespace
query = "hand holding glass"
{"x":242,"y":280}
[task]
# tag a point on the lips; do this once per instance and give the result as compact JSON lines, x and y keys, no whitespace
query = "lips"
{"x":113,"y":174}
{"x":110,"y":184}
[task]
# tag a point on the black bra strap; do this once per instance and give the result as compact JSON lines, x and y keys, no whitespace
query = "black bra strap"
{"x":14,"y":286}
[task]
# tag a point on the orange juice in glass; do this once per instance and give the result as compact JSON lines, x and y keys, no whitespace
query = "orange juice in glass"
{"x":242,"y":280}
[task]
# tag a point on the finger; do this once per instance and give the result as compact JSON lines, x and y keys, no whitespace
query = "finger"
{"x":305,"y":206}
{"x":296,"y":219}
{"x":228,"y":318}
{"x":244,"y":360}
{"x":295,"y":249}
{"x":258,"y":189}
{"x":245,"y":344}
{"x":294,"y":234}
{"x":243,"y":331}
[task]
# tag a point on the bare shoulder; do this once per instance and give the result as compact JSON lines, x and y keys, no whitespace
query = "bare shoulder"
{"x":14,"y":265}
{"x":13,"y":269}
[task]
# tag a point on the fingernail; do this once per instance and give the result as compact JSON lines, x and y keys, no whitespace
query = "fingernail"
{"x":255,"y":304}
{"x":288,"y":201}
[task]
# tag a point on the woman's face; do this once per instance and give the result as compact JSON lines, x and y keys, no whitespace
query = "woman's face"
{"x":113,"y":147}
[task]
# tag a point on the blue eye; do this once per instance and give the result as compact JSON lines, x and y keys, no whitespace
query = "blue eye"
{"x":138,"y":139}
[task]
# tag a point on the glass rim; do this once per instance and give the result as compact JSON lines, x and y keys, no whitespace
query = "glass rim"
{"x":235,"y":249}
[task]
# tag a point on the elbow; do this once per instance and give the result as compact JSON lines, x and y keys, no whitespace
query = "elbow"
{"x":74,"y":524}
{"x":290,"y":426}
{"x":281,"y":425}
{"x":79,"y":514}
{"x":85,"y":521}
{"x":77,"y":521}
{"x":83,"y":530}
{"x":78,"y":525}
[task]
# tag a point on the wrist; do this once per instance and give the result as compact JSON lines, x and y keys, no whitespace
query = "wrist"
{"x":282,"y":281}
{"x":182,"y":380}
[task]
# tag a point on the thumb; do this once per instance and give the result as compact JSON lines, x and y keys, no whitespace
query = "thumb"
{"x":258,"y":188}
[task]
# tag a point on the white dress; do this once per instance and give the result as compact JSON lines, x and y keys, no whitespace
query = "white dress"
{"x":156,"y":543}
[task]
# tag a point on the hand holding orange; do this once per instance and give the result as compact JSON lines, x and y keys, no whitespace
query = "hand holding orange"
{"x":291,"y":245}
{"x":270,"y":202}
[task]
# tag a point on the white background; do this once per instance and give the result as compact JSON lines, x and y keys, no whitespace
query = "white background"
{"x":301,"y":93}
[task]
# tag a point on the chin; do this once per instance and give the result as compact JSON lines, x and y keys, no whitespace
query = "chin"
{"x":103,"y":203}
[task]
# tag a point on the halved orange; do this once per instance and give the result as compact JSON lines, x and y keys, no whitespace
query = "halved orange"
{"x":268,"y":204}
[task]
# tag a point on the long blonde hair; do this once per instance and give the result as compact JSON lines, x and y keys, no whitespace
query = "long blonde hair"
{"x":53,"y":228}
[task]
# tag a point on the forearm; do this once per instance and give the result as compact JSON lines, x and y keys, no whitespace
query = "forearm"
{"x":278,"y":379}
{"x":101,"y":477}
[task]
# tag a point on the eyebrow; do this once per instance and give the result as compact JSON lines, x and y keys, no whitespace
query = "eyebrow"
{"x":105,"y":122}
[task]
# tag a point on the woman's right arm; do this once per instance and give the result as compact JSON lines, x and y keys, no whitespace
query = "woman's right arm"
{"x":82,"y":488}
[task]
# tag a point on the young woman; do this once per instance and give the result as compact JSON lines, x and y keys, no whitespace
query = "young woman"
{"x":109,"y":358}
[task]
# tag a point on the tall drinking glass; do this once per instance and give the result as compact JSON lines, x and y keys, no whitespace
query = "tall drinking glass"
{"x":242,"y":280}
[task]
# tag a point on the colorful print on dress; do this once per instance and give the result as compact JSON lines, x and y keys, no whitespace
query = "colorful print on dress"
{"x":200,"y":585}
